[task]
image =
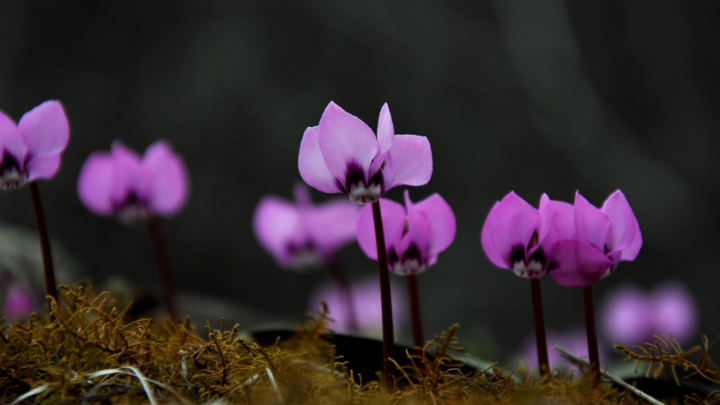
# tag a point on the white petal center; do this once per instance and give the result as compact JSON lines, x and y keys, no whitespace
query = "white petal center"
{"x":534,"y":269}
{"x":11,"y":178}
{"x":360,"y":194}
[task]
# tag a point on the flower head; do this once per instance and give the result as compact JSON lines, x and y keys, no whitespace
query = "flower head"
{"x":413,"y":237}
{"x":343,"y":155}
{"x":366,"y":302}
{"x":303,"y":235}
{"x":518,"y":237}
{"x":632,"y":316}
{"x":31,"y":149}
{"x":592,"y":241}
{"x":18,"y":302}
{"x":122,"y":184}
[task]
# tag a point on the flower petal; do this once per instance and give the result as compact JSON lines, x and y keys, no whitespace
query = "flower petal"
{"x":45,"y":129}
{"x":393,"y":219}
{"x":312,"y":166}
{"x":331,"y":224}
{"x":11,"y":140}
{"x":442,"y":222}
{"x":509,"y":225}
{"x":343,"y":139}
{"x":623,"y":224}
{"x":128,"y":175}
{"x":42,"y":167}
{"x":591,"y":224}
{"x":563,"y":219}
{"x":385,"y":135}
{"x":675,"y":311}
{"x":276,"y":223}
{"x":95,"y":183}
{"x":411,"y":158}
{"x":418,"y":227}
{"x":577,"y":264}
{"x":486,"y":239}
{"x":167,"y":179}
{"x":627,"y":316}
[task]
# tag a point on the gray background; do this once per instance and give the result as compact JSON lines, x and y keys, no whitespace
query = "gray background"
{"x":535,"y":97}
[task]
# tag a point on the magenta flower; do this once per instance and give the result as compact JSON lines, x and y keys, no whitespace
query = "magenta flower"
{"x":303,"y":235}
{"x":132,"y":189}
{"x":366,"y":306}
{"x":591,"y":242}
{"x":632,"y":316}
{"x":413,"y":238}
{"x":18,"y":302}
{"x":342,"y":155}
{"x":519,"y":237}
{"x":31,"y":149}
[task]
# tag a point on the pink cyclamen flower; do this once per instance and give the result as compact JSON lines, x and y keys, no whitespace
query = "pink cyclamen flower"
{"x":366,"y":303}
{"x":122,"y":184}
{"x":413,"y":237}
{"x":632,"y":316}
{"x":31,"y":149}
{"x":592,"y":241}
{"x":303,"y":235}
{"x":519,"y":237}
{"x":342,"y":155}
{"x":18,"y":302}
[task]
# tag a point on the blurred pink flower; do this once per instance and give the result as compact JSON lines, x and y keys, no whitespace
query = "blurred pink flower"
{"x":631,"y":316}
{"x":343,"y":155}
{"x":132,"y":189}
{"x":413,"y":238}
{"x":591,"y":242}
{"x":366,"y":303}
{"x":575,"y":342}
{"x":302,"y":235}
{"x":31,"y":149}
{"x":18,"y":302}
{"x":518,"y":237}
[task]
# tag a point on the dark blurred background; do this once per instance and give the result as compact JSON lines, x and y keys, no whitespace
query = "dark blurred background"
{"x":547,"y":96}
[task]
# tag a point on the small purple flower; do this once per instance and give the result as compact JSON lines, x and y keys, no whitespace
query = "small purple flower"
{"x":123,"y":185}
{"x":632,"y":316}
{"x":591,"y":242}
{"x":413,"y":238}
{"x":518,"y":237}
{"x":342,"y":155}
{"x":366,"y":303}
{"x":302,"y":235}
{"x":31,"y":149}
{"x":575,"y":342}
{"x":18,"y":302}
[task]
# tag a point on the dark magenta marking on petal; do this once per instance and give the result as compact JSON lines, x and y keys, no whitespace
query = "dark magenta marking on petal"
{"x":517,"y":254}
{"x":354,"y":174}
{"x":413,"y":253}
{"x":8,"y":163}
{"x":392,"y":256}
{"x":538,"y":256}
{"x":378,"y":179}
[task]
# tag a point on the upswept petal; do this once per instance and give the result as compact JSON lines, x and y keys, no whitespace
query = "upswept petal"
{"x":631,"y":252}
{"x":563,"y":219}
{"x":546,"y":212}
{"x":127,"y":175}
{"x":331,"y":224}
{"x":95,"y":183}
{"x":385,"y":135}
{"x":623,"y":223}
{"x":168,"y":184}
{"x":344,"y":138}
{"x":412,"y":163}
{"x":312,"y":166}
{"x":486,"y":239}
{"x":627,"y":316}
{"x":11,"y":140}
{"x":45,"y":129}
{"x":275,"y":223}
{"x":591,"y":224}
{"x":393,"y":219}
{"x":42,"y":167}
{"x":511,"y":224}
{"x":578,"y":263}
{"x":675,"y":311}
{"x":442,"y":222}
{"x":418,"y":226}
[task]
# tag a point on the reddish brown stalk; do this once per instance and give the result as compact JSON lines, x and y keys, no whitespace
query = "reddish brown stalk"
{"x":344,"y":288}
{"x":415,"y":311}
{"x":385,"y":299}
{"x":542,"y":351}
{"x":50,"y":284}
{"x":162,"y":263}
{"x":592,"y":334}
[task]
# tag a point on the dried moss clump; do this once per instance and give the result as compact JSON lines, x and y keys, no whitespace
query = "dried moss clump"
{"x":85,"y":352}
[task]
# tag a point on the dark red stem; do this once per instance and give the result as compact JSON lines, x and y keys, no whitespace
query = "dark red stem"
{"x":415,"y":311}
{"x":385,"y":299}
{"x":344,"y":288}
{"x":50,"y":284}
{"x":162,"y":263}
{"x":591,"y":334}
{"x":542,"y":351}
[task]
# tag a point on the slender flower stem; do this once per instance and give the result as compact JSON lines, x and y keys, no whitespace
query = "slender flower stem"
{"x":385,"y":298}
{"x":50,"y":284}
{"x":540,"y":328}
{"x":162,"y":262}
{"x":592,"y":334}
{"x":415,"y":311}
{"x":342,"y":284}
